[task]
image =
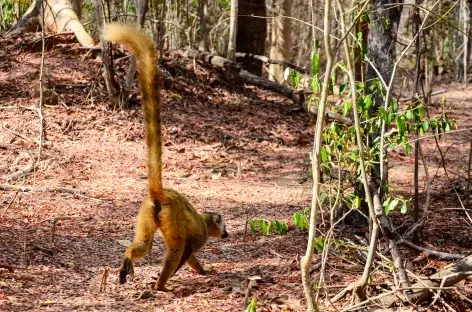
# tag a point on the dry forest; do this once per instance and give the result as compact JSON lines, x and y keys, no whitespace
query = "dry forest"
{"x":334,"y":137}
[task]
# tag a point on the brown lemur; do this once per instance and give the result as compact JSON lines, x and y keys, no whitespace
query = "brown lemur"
{"x":182,"y":228}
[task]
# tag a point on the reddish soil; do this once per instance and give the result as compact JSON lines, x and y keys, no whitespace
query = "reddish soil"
{"x":229,"y":147}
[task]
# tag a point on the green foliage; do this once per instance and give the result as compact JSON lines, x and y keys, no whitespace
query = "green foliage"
{"x":339,"y":152}
{"x":268,"y":227}
{"x":8,"y":10}
{"x":251,"y":307}
{"x":293,"y":76}
{"x":301,"y":219}
{"x":392,"y":202}
{"x":319,"y":244}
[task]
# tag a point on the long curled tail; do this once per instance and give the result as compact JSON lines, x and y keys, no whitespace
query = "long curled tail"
{"x":149,"y":78}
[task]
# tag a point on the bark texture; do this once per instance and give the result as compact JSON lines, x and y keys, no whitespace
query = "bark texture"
{"x":252,"y":32}
{"x":59,"y":16}
{"x":280,"y":42}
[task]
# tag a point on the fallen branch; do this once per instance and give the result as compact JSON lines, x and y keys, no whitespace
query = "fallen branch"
{"x":49,"y":252}
{"x":432,"y":253}
{"x":422,"y":290}
{"x":23,"y":172}
{"x":9,"y":204}
{"x":24,"y":137}
{"x":412,"y":98}
{"x":267,"y":60}
{"x":313,"y":109}
{"x":264,"y":83}
{"x":235,"y":68}
{"x":214,"y":60}
{"x":8,"y":187}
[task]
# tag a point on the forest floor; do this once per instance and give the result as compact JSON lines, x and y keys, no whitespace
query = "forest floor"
{"x":229,"y":147}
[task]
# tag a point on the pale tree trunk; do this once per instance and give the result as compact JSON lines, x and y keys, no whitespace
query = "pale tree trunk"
{"x":174,"y":29}
{"x":251,"y":34}
{"x":280,"y":43}
{"x":463,"y":43}
{"x":233,"y":30}
{"x":60,"y":16}
{"x":141,"y":8}
{"x":204,"y":44}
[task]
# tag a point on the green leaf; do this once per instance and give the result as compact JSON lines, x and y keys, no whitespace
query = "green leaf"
{"x":385,"y":22}
{"x":346,"y":107}
{"x":265,"y":227}
{"x":447,"y":127}
{"x":342,"y":86}
{"x":252,"y":226}
{"x":315,"y":63}
{"x":317,"y":44}
{"x":359,"y":37}
{"x":425,"y":126}
{"x":296,"y":219}
{"x":393,"y":204}
{"x":390,"y":205}
{"x":319,"y":244}
{"x":281,"y":227}
{"x":356,"y":202}
{"x":421,"y":111}
{"x":404,"y":208}
{"x":409,"y":115}
{"x":401,"y":125}
{"x":252,"y":306}
{"x":324,"y":156}
{"x":367,"y":102}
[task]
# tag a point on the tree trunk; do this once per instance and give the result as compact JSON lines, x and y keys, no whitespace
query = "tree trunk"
{"x":463,"y":44}
{"x":381,"y":50}
{"x":280,"y":43}
{"x":252,"y":31}
{"x":107,"y":74}
{"x":204,"y":44}
{"x":60,"y":16}
{"x":233,"y":30}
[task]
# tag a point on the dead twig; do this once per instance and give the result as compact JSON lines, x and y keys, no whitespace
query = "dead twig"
{"x":252,"y":282}
{"x":24,"y":137}
{"x":47,"y":251}
{"x":432,"y":253}
{"x":53,"y":230}
{"x":23,"y":172}
{"x":103,"y":282}
{"x":8,"y":187}
{"x":413,"y":98}
{"x":9,"y":204}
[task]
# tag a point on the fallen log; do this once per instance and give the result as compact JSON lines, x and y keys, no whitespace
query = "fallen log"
{"x":235,"y":68}
{"x":267,"y":60}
